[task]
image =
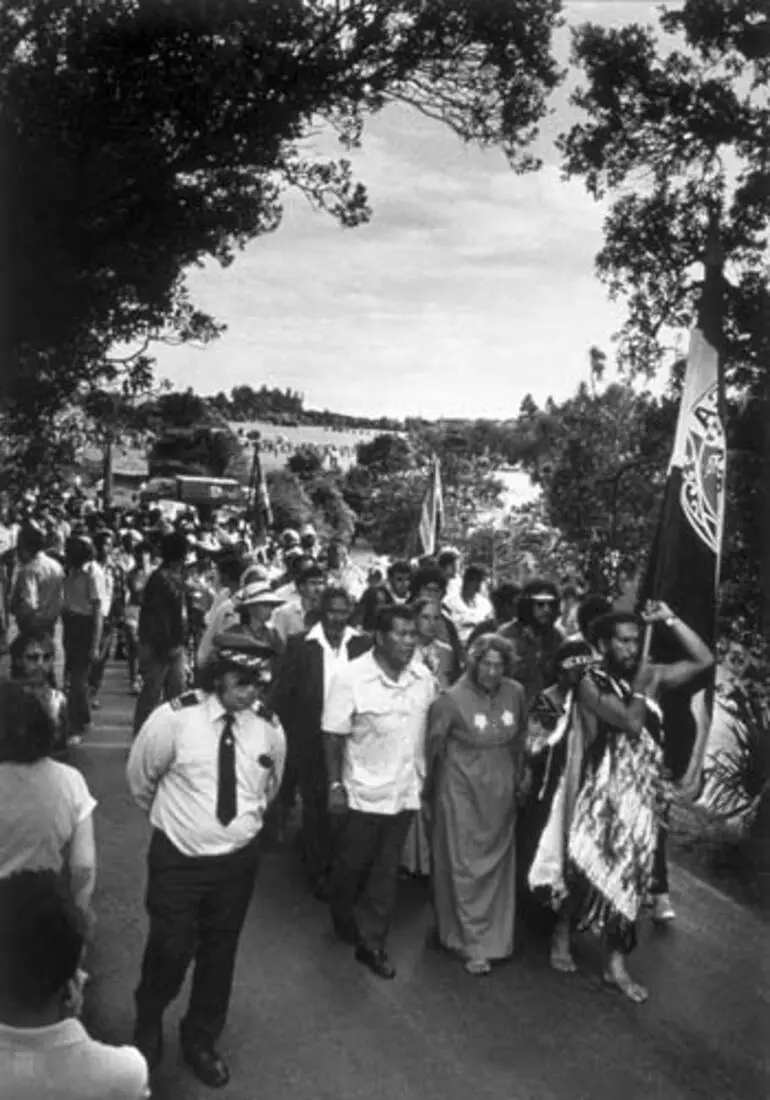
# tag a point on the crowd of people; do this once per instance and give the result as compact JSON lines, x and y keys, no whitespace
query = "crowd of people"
{"x":505,"y":743}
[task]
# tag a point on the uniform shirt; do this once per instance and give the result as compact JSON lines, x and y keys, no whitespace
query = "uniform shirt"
{"x":62,"y":1062}
{"x":384,"y":721}
{"x":173,"y":770}
{"x":41,"y":805}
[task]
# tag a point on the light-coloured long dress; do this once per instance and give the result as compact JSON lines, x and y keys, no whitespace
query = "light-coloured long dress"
{"x":416,"y":858}
{"x":475,"y":743}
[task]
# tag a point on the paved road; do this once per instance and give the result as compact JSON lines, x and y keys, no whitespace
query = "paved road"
{"x":307,"y":1023}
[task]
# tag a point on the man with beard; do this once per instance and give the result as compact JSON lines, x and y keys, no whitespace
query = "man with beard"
{"x":535,"y":637}
{"x":623,"y":795}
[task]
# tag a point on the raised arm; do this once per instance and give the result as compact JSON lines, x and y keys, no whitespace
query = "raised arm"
{"x":699,"y":658}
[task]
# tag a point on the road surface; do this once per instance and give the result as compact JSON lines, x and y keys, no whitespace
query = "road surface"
{"x":308,"y":1023}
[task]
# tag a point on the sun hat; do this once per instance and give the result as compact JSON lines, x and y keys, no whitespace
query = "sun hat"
{"x":255,"y":593}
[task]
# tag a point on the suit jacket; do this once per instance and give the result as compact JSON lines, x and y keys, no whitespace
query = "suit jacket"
{"x":298,"y":691}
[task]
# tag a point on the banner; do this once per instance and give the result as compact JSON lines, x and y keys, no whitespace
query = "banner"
{"x":432,"y":514}
{"x":683,"y":567}
{"x":260,"y":498}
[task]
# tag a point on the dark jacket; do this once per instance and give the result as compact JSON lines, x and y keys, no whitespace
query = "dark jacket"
{"x":298,"y":691}
{"x":163,"y":616}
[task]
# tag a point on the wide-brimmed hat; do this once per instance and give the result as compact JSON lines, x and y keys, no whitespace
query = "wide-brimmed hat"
{"x":239,"y":648}
{"x":254,"y":593}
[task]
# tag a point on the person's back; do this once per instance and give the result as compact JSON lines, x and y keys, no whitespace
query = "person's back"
{"x":45,"y":1052}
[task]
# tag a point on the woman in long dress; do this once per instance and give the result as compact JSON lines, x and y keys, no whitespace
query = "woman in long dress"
{"x":475,"y":746}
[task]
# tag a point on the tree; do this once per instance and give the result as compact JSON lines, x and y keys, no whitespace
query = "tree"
{"x":305,"y":463}
{"x":289,"y":500}
{"x":673,"y":134}
{"x":141,"y":138}
{"x":385,"y":454}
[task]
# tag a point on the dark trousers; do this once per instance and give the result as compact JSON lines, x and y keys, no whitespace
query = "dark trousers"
{"x":196,"y":906}
{"x":78,"y":640}
{"x":365,"y":873}
{"x":317,"y":834}
{"x":163,"y":677}
{"x":660,"y":865}
{"x":96,"y":671}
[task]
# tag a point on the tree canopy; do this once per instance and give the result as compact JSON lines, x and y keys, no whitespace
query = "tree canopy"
{"x":141,"y":138}
{"x":675,"y":129}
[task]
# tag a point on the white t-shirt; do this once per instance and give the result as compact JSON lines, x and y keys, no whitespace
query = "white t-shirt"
{"x":41,"y":804}
{"x":63,"y":1062}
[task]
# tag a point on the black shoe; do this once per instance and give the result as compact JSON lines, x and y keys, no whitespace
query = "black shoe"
{"x":208,"y":1065}
{"x":148,"y":1039}
{"x":347,"y":932}
{"x":377,"y":961}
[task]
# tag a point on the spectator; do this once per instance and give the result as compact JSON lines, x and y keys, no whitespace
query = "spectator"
{"x":45,"y":1051}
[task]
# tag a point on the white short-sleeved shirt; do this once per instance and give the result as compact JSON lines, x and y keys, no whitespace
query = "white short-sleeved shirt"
{"x":173,"y":771}
{"x":41,"y":805}
{"x":384,"y":721}
{"x":63,"y":1062}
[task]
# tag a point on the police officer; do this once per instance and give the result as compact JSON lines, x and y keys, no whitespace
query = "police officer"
{"x":206,"y":767}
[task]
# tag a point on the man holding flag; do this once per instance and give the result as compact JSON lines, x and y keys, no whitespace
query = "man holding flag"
{"x":683,"y":567}
{"x":260,"y":499}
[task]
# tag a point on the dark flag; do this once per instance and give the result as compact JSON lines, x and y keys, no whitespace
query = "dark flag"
{"x":683,"y":567}
{"x":260,"y":498}
{"x":108,"y":477}
{"x":432,"y":513}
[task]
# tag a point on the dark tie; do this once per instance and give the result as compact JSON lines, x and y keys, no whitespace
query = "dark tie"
{"x":226,"y":796}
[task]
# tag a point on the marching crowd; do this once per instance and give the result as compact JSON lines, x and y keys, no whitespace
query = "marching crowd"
{"x":507,"y":744}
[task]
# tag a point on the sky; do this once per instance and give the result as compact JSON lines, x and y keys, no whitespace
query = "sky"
{"x":470,"y":287}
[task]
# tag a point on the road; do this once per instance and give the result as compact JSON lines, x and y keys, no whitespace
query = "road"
{"x":307,"y":1022}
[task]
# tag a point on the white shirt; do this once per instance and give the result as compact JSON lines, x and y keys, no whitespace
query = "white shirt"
{"x":334,"y":660}
{"x":467,"y":615}
{"x":105,"y":585}
{"x":384,"y":721}
{"x":173,"y":770}
{"x":63,"y":1062}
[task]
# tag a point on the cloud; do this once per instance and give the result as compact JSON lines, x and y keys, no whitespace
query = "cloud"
{"x":470,"y":287}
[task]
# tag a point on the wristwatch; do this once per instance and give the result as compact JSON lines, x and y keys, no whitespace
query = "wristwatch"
{"x":670,"y":620}
{"x":337,"y":786}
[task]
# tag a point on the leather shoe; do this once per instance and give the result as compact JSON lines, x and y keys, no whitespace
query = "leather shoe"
{"x":148,"y":1039}
{"x":208,"y":1066}
{"x":376,"y":960}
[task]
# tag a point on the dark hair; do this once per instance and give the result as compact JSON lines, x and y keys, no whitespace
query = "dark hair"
{"x":78,"y":551}
{"x":505,"y":595}
{"x":100,"y":538}
{"x":474,"y":573}
{"x":27,"y":731}
{"x":334,"y":592}
{"x":531,"y":590}
{"x":309,"y":572}
{"x":605,"y":627}
{"x":447,"y":557}
{"x":571,"y":649}
{"x":399,"y":566}
{"x":41,"y":939}
{"x":386,"y":616}
{"x":31,"y":538}
{"x":173,"y":548}
{"x":428,"y":574}
{"x":369,"y":607}
{"x":591,"y":609}
{"x":19,"y":644}
{"x":230,"y":568}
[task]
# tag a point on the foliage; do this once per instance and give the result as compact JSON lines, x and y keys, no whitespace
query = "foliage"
{"x":245,"y":403}
{"x":141,"y":138}
{"x":306,"y":463}
{"x":198,"y":451}
{"x":601,"y":462}
{"x":385,"y":454}
{"x":332,"y":515}
{"x":289,"y":500}
{"x":672,"y":135}
{"x":523,"y":546}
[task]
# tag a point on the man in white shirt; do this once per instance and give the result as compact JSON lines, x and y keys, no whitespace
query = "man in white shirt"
{"x":45,"y":1052}
{"x":302,"y":685}
{"x":296,"y":616}
{"x":469,"y":607}
{"x":206,"y":767}
{"x":374,"y":723}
